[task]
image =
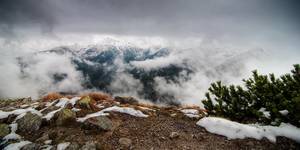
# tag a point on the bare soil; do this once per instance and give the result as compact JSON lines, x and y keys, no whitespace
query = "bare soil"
{"x":151,"y":133}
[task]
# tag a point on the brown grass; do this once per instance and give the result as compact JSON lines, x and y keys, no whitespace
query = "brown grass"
{"x":98,"y":96}
{"x":51,"y":97}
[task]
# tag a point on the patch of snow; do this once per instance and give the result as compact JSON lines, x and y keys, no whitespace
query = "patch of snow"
{"x":46,"y":147}
{"x":35,"y":103}
{"x":63,"y":146}
{"x":16,"y":146}
{"x":19,"y":117}
{"x":4,"y":114}
{"x":96,"y":114}
{"x":284,"y":112}
{"x":13,"y":127}
{"x":126,"y":110}
{"x":24,"y":105}
{"x":235,"y":130}
{"x":48,"y":142}
{"x":191,"y":113}
{"x":62,"y":102}
{"x":173,"y":115}
{"x":74,"y":100}
{"x":100,"y":106}
{"x":12,"y":135}
{"x":50,"y":103}
{"x":51,"y":114}
{"x":76,"y":109}
{"x":265,"y":113}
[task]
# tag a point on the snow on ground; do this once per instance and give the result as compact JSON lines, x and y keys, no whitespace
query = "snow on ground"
{"x":192,"y":113}
{"x":265,"y":113}
{"x":48,"y":142}
{"x":100,"y":106}
{"x":62,"y":102}
{"x":74,"y":100}
{"x":235,"y":130}
{"x":51,"y":114}
{"x":63,"y":146}
{"x":284,"y":112}
{"x":76,"y":109}
{"x":24,"y":105}
{"x":51,"y":103}
{"x":126,"y":110}
{"x":16,"y":146}
{"x":96,"y":114}
{"x":4,"y":114}
{"x":12,"y":135}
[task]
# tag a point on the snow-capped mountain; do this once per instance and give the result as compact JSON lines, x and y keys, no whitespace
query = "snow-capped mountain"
{"x":128,"y":69}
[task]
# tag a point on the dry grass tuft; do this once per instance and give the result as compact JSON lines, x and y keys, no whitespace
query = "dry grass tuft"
{"x":51,"y":97}
{"x":98,"y":96}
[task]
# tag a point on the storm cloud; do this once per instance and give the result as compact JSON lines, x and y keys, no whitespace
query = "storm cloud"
{"x":197,"y":30}
{"x":157,"y":17}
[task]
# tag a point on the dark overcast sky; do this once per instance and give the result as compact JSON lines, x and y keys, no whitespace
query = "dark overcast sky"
{"x":157,"y":17}
{"x":250,"y":20}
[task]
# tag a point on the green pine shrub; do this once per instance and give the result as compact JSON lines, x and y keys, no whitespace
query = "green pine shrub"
{"x":243,"y":104}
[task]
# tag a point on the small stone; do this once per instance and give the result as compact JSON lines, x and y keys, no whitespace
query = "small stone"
{"x":89,"y":146}
{"x":48,"y":142}
{"x":125,"y":142}
{"x":126,"y":100}
{"x":4,"y":130}
{"x":173,"y":115}
{"x":29,"y":123}
{"x":65,"y":116}
{"x":100,"y":122}
{"x":174,"y":135}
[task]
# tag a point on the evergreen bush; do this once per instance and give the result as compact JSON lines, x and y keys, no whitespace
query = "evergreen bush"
{"x":278,"y":97}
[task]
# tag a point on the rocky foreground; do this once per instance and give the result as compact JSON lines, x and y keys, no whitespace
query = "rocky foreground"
{"x":93,"y":122}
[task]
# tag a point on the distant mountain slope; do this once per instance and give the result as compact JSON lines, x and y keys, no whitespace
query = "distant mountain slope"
{"x":131,"y":70}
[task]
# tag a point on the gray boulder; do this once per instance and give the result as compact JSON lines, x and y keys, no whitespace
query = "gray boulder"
{"x":64,"y":116}
{"x":100,"y":122}
{"x":29,"y":123}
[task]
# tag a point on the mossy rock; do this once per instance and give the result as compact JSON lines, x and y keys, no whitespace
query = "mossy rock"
{"x":100,"y":122}
{"x":86,"y":102}
{"x":64,"y":117}
{"x":29,"y":123}
{"x":4,"y":130}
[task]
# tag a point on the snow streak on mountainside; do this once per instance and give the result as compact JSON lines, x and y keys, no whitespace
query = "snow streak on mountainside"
{"x":164,"y":74}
